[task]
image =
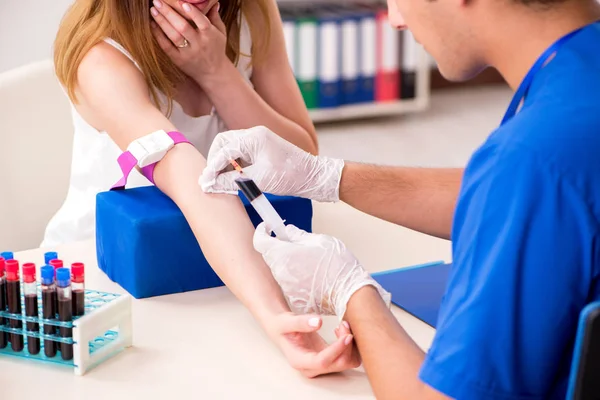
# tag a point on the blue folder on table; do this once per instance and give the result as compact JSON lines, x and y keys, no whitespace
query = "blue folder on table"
{"x":418,"y":290}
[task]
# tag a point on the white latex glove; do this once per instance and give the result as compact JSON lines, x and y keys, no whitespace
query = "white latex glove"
{"x":316,"y":272}
{"x":276,"y":166}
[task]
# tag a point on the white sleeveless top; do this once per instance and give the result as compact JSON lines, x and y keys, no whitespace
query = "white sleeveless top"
{"x":94,"y":166}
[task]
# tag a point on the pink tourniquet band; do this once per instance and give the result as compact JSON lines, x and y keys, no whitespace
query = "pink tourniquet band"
{"x":127,"y":162}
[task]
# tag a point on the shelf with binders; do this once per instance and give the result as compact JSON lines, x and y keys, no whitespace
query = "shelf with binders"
{"x":350,"y":62}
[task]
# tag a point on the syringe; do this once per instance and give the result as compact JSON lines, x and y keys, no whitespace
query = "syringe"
{"x":260,"y":203}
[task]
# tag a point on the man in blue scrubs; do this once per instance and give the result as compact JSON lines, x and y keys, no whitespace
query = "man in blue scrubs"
{"x":523,"y":217}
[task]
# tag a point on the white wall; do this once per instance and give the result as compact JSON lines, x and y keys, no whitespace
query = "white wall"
{"x":27,"y":30}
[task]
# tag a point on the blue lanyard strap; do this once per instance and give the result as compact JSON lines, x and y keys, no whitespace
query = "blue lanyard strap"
{"x":539,"y":64}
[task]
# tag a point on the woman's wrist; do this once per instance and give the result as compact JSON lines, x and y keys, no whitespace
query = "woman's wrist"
{"x":267,"y":318}
{"x":221,"y":81}
{"x":269,"y":307}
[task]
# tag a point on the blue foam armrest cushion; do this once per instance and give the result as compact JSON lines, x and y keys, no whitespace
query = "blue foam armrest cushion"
{"x":144,"y":243}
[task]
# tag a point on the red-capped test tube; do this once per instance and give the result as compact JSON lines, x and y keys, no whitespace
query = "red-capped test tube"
{"x":3,"y":335}
{"x":56,"y":263}
{"x":78,"y":285}
{"x":31,"y":306}
{"x":13,"y":297}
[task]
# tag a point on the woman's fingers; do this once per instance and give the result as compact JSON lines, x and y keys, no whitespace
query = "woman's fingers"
{"x":196,"y":15}
{"x":326,"y":358}
{"x":351,"y":357}
{"x":215,"y":18}
{"x":345,"y":328}
{"x":175,"y":27}
{"x":163,"y":40}
{"x":175,"y":37}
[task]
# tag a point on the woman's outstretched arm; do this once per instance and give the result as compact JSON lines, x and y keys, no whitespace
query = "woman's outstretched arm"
{"x":113,"y":96}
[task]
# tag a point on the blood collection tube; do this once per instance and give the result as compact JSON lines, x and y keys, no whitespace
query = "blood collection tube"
{"x":49,"y":256}
{"x":78,"y":284}
{"x":13,"y":295}
{"x":49,"y":307}
{"x":31,"y":306}
{"x":3,"y":335}
{"x":56,"y":263}
{"x":65,"y":309}
{"x":7,"y":255}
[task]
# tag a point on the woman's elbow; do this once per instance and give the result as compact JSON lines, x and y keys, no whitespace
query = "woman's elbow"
{"x":313,"y":148}
{"x":312,"y":144}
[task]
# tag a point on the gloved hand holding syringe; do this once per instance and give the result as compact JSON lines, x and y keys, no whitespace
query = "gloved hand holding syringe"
{"x":260,"y":203}
{"x":316,"y":272}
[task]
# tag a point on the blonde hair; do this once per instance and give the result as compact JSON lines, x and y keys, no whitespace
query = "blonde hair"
{"x":88,"y":22}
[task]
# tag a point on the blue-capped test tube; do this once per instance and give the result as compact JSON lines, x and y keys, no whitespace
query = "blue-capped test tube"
{"x":49,"y":307}
{"x":49,"y":256}
{"x":65,"y":309}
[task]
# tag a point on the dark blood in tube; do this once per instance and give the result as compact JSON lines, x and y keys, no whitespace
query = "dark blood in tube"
{"x":13,"y":296}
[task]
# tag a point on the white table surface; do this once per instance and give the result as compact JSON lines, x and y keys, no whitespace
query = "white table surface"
{"x":203,"y":344}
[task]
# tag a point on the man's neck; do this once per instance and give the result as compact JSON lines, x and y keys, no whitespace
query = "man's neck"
{"x":525,"y":36}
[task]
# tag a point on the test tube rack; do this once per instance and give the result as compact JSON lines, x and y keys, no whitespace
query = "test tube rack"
{"x":95,"y":338}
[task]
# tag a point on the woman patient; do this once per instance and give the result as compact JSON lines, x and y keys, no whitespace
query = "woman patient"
{"x":132,"y":67}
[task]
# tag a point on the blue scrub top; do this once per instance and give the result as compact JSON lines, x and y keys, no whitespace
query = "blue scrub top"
{"x":526,"y":241}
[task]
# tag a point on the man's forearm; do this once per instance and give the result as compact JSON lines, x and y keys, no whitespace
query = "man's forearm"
{"x":391,"y":358}
{"x":422,"y":199}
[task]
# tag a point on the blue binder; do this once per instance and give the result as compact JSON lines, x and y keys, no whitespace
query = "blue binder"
{"x":329,"y":49}
{"x":351,"y":55}
{"x":368,"y":54}
{"x":418,"y":290}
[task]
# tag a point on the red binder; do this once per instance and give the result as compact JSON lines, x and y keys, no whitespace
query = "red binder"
{"x":387,"y":79}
